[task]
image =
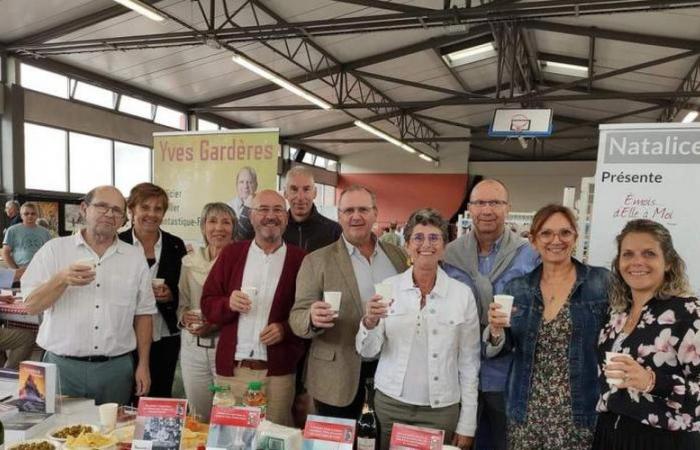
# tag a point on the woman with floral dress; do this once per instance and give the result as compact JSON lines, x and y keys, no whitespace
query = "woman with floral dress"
{"x":558,"y":310}
{"x":651,"y":398}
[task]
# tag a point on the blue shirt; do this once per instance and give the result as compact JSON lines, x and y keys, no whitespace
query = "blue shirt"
{"x":25,"y":241}
{"x":494,"y":371}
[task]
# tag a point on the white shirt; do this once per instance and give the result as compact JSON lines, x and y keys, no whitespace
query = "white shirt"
{"x":160,"y":328}
{"x":369,"y":272}
{"x":262,"y":272}
{"x":453,"y":354}
{"x":97,"y":319}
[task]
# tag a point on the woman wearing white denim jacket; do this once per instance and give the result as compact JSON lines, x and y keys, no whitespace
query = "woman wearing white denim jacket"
{"x":427,"y":340}
{"x":198,"y":344}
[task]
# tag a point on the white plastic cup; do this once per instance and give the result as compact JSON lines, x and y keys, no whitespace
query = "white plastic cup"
{"x":252,"y":293}
{"x":612,"y":381}
{"x":89,"y":262}
{"x":386,"y":291}
{"x":108,"y":416}
{"x":157,"y":282}
{"x":333,"y":299}
{"x":506,"y":302}
{"x":200,"y":324}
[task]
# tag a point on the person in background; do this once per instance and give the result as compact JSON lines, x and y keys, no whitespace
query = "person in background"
{"x":558,"y":310}
{"x":336,"y":374}
{"x":249,"y":293}
{"x":97,"y":302}
{"x":445,"y":335}
{"x":655,"y":320}
{"x":490,"y":255}
{"x":199,"y":338}
{"x":163,"y":252}
{"x":391,"y":235}
{"x":12,"y":211}
{"x":246,"y":187}
{"x":23,"y":240}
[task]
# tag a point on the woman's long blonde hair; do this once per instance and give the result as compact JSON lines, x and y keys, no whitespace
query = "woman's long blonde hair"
{"x":675,"y":283}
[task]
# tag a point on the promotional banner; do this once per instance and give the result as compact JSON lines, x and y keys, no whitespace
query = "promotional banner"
{"x":648,"y":171}
{"x":202,"y":167}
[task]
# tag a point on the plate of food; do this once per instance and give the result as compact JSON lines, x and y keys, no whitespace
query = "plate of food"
{"x":34,"y":444}
{"x":91,"y":441}
{"x":63,"y":432}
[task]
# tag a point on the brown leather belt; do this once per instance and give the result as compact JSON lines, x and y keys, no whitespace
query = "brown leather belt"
{"x":252,"y":364}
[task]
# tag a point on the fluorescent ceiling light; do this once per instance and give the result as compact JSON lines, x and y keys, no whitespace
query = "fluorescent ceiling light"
{"x":471,"y":54}
{"x":377,"y":132}
{"x":558,"y":68}
{"x":265,"y":73}
{"x":143,"y":9}
{"x":690,"y":117}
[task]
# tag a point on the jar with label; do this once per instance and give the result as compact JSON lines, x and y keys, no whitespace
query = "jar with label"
{"x":222,"y":395}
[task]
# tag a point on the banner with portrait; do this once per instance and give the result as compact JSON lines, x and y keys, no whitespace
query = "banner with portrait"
{"x":647,"y":171}
{"x":196,"y":168}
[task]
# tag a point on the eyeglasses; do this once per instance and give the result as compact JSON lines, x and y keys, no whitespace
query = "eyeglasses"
{"x":103,"y":208}
{"x":266,"y":210}
{"x":565,"y":235}
{"x":433,"y":238}
{"x":361,"y":210}
{"x":491,"y":203}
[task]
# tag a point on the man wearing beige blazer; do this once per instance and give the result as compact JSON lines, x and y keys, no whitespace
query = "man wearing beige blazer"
{"x":335,"y":373}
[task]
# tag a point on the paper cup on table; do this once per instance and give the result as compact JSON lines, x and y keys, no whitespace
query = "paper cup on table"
{"x":614,"y":381}
{"x":108,"y":416}
{"x":333,"y":299}
{"x":506,"y":302}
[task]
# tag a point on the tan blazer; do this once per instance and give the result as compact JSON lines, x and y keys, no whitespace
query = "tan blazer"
{"x":333,"y":366}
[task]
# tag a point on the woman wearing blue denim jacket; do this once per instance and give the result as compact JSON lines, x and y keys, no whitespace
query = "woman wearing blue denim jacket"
{"x":558,"y":310}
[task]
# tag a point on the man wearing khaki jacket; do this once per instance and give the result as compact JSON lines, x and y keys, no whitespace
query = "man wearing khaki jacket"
{"x":335,"y":375}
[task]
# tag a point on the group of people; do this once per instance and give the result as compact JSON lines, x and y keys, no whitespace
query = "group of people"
{"x":419,"y":319}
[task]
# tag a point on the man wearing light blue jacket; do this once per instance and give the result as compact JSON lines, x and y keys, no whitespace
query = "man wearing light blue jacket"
{"x":491,"y":255}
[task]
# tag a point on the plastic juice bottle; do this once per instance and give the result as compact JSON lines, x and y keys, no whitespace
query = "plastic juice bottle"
{"x":222,"y":395}
{"x":254,"y":396}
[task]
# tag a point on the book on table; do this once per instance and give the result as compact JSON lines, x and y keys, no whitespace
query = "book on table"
{"x":404,"y":437}
{"x":159,"y":424}
{"x":37,"y":387}
{"x":233,"y":428}
{"x":328,"y":433}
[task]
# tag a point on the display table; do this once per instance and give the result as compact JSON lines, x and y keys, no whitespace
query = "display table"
{"x":16,"y":315}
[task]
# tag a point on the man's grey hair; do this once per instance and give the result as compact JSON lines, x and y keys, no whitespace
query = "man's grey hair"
{"x":358,"y":188}
{"x":14,"y":203}
{"x":30,"y":205}
{"x":299,"y":170}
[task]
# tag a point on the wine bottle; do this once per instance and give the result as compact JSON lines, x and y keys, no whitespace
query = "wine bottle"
{"x":368,"y":424}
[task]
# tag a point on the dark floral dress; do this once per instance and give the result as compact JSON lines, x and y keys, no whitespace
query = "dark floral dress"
{"x":666,"y":340}
{"x":549,"y":424}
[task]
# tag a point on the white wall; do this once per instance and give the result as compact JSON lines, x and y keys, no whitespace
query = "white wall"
{"x":534,"y":184}
{"x":390,"y":159}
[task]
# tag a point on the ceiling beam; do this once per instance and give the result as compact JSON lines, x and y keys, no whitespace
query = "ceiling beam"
{"x":615,"y":35}
{"x":76,"y":24}
{"x":350,"y":65}
{"x":476,"y":138}
{"x":379,"y":4}
{"x":691,"y":82}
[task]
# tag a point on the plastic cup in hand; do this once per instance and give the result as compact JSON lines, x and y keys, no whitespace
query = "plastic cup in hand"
{"x":89,"y":262}
{"x":252,"y":293}
{"x":200,"y":320}
{"x":108,"y":416}
{"x":333,"y":299}
{"x":506,"y":302}
{"x":158,"y":282}
{"x":614,"y":381}
{"x":387,"y":292}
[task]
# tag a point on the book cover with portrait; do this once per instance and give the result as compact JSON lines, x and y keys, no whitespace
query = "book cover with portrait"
{"x":159,"y":423}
